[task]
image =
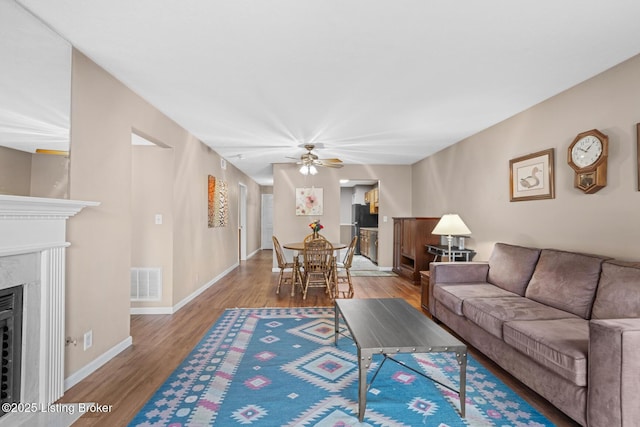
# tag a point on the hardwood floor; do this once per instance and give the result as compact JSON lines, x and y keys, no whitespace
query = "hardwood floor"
{"x":161,"y":342}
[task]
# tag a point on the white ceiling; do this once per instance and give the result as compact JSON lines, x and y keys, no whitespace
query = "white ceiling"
{"x":376,"y":82}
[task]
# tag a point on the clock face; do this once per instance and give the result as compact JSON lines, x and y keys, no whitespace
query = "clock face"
{"x":586,"y":151}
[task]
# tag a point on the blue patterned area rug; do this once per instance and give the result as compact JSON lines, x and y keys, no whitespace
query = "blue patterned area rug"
{"x":280,"y":367}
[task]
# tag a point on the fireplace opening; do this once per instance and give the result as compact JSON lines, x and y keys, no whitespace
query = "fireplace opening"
{"x":11,"y":344}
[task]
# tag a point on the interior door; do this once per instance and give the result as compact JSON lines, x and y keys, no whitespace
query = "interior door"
{"x":267,"y":221}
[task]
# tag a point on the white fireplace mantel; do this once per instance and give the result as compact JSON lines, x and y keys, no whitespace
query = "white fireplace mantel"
{"x":31,"y":224}
{"x":32,"y":254}
{"x":21,"y":207}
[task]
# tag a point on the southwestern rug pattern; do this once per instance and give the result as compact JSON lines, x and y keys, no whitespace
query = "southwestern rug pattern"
{"x":280,"y":367}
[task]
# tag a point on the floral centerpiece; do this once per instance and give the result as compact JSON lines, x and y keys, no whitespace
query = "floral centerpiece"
{"x":316,"y":227}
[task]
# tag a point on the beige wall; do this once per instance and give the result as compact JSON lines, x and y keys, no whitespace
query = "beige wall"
{"x":15,"y":172}
{"x":49,"y":176}
{"x":395,"y":200}
{"x":103,"y":114}
{"x":471,"y":178}
{"x":36,"y":175}
{"x":151,"y":243}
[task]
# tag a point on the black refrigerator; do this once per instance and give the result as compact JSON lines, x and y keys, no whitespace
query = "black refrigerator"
{"x":361,"y":217}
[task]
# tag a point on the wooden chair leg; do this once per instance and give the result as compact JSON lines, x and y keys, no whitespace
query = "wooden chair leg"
{"x":294,"y":280}
{"x":279,"y":281}
{"x":350,"y":284}
{"x":328,"y":282}
{"x":306,"y":287}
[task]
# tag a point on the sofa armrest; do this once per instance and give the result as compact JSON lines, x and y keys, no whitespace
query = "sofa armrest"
{"x":614,"y":372}
{"x":455,"y":272}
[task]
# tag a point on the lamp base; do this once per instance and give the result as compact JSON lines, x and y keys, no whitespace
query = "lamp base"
{"x":449,"y":240}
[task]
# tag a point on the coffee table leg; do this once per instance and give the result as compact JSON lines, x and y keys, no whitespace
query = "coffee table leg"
{"x":462,"y":361}
{"x":337,"y":324}
{"x":364,"y":361}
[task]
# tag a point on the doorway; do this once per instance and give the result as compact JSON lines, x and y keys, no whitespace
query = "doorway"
{"x":242,"y":222}
{"x":359,"y":218}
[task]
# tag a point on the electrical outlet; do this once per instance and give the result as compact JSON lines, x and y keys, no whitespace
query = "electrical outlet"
{"x":158,"y":219}
{"x":88,"y":340}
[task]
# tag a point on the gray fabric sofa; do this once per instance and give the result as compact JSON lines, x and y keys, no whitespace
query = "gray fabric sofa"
{"x":565,"y":324}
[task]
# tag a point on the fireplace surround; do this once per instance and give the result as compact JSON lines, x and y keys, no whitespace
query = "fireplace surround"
{"x":32,"y":255}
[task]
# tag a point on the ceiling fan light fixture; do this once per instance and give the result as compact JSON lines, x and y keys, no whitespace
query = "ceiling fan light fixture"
{"x":308,"y":170}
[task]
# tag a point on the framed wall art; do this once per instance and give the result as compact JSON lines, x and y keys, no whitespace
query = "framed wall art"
{"x":309,"y":201}
{"x":217,"y":202}
{"x":531,"y":176}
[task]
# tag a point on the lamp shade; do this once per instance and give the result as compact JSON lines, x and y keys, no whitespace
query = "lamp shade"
{"x":451,"y":225}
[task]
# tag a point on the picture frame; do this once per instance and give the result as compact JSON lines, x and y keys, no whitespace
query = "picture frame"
{"x":309,"y":201}
{"x":531,"y":177}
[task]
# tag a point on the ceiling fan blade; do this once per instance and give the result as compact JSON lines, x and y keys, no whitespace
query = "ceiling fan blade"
{"x":330,"y":165}
{"x":331,"y":160}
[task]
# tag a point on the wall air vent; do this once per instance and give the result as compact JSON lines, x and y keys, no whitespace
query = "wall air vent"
{"x":146,"y":284}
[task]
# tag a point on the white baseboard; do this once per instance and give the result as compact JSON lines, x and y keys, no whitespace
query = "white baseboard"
{"x":253,"y":253}
{"x":96,"y":363}
{"x":151,"y":310}
{"x":203,"y":288}
{"x":171,"y":310}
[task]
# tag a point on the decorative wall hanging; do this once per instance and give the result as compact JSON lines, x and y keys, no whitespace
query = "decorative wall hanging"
{"x":309,"y":201}
{"x":218,"y":206}
{"x":531,"y":176}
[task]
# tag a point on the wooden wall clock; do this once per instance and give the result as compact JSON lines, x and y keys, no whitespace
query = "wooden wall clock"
{"x":587,"y":155}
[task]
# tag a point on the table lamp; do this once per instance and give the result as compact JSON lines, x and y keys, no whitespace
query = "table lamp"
{"x":451,"y":225}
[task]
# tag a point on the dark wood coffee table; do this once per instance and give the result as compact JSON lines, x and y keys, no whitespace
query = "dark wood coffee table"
{"x":391,"y":326}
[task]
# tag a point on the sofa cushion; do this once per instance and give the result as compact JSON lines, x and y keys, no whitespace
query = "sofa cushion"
{"x":491,"y":313}
{"x":559,"y":345}
{"x":511,"y":267}
{"x":452,"y":296}
{"x":566,"y":280}
{"x":618,"y":294}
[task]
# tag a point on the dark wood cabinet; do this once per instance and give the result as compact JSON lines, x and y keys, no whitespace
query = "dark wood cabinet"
{"x":410,"y":238}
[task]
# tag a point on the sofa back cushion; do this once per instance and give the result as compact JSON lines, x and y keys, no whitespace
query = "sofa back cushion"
{"x":566,"y":281}
{"x":618,"y":294}
{"x":511,"y":267}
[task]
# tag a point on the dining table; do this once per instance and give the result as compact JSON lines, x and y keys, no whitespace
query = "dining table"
{"x":299,"y":247}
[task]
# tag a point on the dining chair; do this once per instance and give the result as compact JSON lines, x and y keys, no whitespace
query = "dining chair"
{"x":318,"y":265}
{"x":344,"y":267}
{"x":284,"y":265}
{"x":312,"y":236}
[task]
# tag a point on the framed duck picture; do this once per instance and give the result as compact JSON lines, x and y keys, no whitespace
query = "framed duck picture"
{"x":531,"y":176}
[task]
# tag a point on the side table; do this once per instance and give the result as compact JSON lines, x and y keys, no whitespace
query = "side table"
{"x":456,"y":253}
{"x":425,"y":276}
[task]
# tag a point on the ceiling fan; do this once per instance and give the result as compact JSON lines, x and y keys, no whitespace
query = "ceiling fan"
{"x":309,"y":161}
